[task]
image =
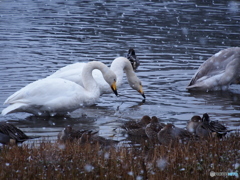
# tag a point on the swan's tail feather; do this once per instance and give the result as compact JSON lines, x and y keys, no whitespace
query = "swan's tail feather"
{"x":11,"y":99}
{"x":12,"y":108}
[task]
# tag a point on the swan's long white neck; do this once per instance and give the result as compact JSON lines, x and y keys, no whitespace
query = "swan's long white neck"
{"x":89,"y":82}
{"x":118,"y":66}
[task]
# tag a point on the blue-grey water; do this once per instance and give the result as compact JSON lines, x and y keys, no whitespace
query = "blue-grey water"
{"x":171,"y":39}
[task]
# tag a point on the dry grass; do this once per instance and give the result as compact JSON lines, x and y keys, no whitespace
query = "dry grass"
{"x":193,"y":160}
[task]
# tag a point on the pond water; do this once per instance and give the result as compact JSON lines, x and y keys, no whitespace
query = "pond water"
{"x":171,"y":39}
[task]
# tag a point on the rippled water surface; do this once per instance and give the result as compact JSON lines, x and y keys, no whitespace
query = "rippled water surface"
{"x":171,"y":39}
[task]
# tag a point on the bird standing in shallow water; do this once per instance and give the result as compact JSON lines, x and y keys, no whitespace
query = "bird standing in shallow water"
{"x":218,"y":72}
{"x":119,"y":66}
{"x":57,"y":96}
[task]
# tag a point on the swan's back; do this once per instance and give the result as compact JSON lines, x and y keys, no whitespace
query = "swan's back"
{"x":71,"y":72}
{"x":69,"y":67}
{"x":53,"y":95}
{"x":220,"y":70}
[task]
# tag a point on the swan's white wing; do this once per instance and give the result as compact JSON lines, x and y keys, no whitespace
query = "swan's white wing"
{"x":49,"y":94}
{"x":72,"y":72}
{"x":75,"y":66}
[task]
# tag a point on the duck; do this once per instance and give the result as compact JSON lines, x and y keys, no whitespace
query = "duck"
{"x":203,"y":132}
{"x":93,"y":138}
{"x":170,"y":133}
{"x":153,"y":128}
{"x":69,"y":134}
{"x":10,"y":134}
{"x":131,"y":56}
{"x":57,"y":96}
{"x":83,"y":136}
{"x":119,"y":65}
{"x":218,"y":72}
{"x":209,"y":128}
{"x":193,"y":123}
{"x":137,"y":128}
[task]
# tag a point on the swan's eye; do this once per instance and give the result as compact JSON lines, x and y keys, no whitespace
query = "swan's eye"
{"x":115,"y":80}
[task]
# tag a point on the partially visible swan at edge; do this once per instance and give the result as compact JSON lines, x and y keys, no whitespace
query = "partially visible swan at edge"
{"x":218,"y":72}
{"x":51,"y":96}
{"x":118,"y":66}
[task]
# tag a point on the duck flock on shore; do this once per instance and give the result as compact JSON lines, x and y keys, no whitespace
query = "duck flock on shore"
{"x":158,"y":132}
{"x":82,"y":84}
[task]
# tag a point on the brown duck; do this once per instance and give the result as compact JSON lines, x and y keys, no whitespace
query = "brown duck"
{"x":171,"y":133}
{"x":153,"y":128}
{"x":137,"y":128}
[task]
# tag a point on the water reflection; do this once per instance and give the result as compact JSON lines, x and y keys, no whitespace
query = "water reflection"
{"x":171,"y":40}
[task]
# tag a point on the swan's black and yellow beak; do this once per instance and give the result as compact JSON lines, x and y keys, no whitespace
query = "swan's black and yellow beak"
{"x":142,"y":92}
{"x":114,"y":88}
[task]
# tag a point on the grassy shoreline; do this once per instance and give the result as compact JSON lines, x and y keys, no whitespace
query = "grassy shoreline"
{"x":192,"y":160}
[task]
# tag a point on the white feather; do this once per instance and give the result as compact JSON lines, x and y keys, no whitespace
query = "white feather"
{"x":57,"y":95}
{"x":119,"y":66}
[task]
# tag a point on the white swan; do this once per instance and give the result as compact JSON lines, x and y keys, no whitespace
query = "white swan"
{"x":218,"y":72}
{"x":51,"y":96}
{"x":118,"y":66}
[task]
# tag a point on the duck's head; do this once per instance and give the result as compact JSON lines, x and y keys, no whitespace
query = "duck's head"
{"x":145,"y":119}
{"x":205,"y":118}
{"x":68,"y":129}
{"x":131,"y":56}
{"x":154,"y":119}
{"x":196,"y":119}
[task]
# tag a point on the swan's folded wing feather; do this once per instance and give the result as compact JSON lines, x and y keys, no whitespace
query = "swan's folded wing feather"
{"x":72,"y":72}
{"x":12,"y":107}
{"x":52,"y":93}
{"x":69,"y":68}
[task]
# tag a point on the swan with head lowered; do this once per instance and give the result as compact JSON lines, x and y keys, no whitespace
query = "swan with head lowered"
{"x":57,"y":96}
{"x":118,"y":66}
{"x":218,"y":72}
